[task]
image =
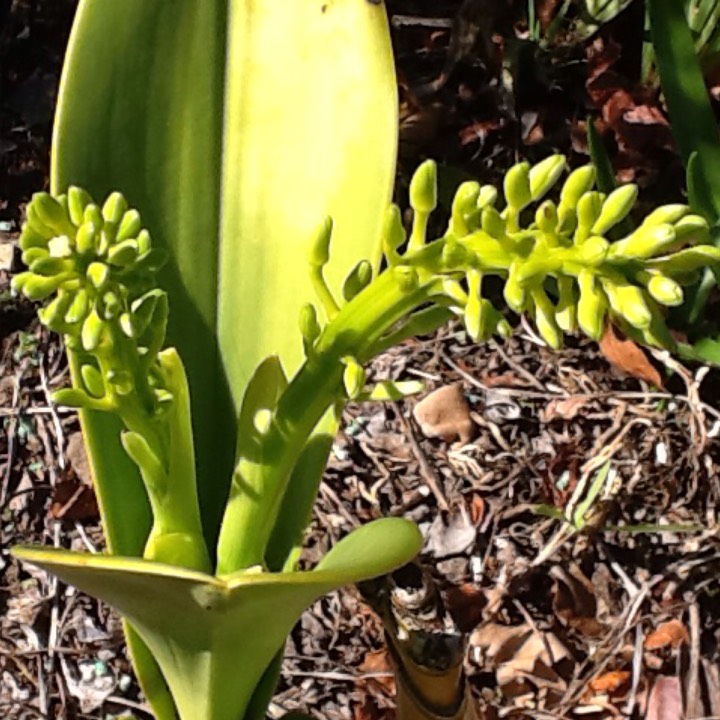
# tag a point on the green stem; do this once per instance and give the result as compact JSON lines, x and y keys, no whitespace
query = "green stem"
{"x":251,"y":510}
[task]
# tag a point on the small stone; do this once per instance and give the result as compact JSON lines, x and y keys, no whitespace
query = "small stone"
{"x":7,"y":256}
{"x":445,"y":413}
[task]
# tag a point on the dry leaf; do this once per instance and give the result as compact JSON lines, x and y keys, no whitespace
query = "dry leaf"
{"x":378,"y":661}
{"x":564,"y":408}
{"x":665,"y":701}
{"x":78,"y":458}
{"x":450,"y":535}
{"x":73,"y":501}
{"x":610,"y":681}
{"x":519,"y":653}
{"x":445,"y":413}
{"x":670,"y":634}
{"x":628,"y":357}
{"x":465,"y":604}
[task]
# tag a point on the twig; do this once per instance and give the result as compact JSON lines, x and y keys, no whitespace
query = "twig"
{"x":426,"y":470}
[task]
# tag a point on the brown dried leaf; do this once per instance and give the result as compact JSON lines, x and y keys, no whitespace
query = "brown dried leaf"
{"x":78,"y":458}
{"x":378,"y":661}
{"x":465,"y":604}
{"x":670,"y":634}
{"x":520,"y":652}
{"x":665,"y":701}
{"x":73,"y":501}
{"x":564,"y":408}
{"x":610,"y":682}
{"x":445,"y":413}
{"x":628,"y":357}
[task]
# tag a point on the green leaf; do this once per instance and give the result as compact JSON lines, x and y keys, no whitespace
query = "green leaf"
{"x":234,"y":126}
{"x":693,"y":121}
{"x":220,"y":634}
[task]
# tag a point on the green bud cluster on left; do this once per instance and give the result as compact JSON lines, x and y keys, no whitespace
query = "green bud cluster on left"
{"x":98,"y":264}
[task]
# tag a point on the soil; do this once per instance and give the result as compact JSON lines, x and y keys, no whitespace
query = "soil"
{"x":617,"y":620}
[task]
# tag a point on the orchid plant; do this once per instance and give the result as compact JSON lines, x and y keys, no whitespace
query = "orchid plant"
{"x":219,"y":313}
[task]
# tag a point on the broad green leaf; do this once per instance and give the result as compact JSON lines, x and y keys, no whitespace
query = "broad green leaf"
{"x":220,"y":634}
{"x":234,"y":126}
{"x":693,"y":121}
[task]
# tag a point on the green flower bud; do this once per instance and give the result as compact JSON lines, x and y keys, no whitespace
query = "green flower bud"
{"x":513,"y":291}
{"x":143,"y":310}
{"x":546,"y":217}
{"x":94,"y":215}
{"x":589,"y":208}
{"x":93,"y":381}
{"x":72,"y":397}
{"x":644,"y":242}
{"x":692,"y":229}
{"x":36,"y":287}
{"x":114,"y":208}
{"x":578,"y":183}
{"x":319,"y":251}
{"x":49,"y":266}
{"x":503,"y":329}
{"x":309,"y":326}
{"x":406,"y":277}
{"x":36,"y":223}
{"x":51,"y":213}
{"x":492,"y":223}
{"x":592,"y":305}
{"x":629,"y":302}
{"x":144,"y":242}
{"x":666,"y":215}
{"x":123,"y":254}
{"x":130,"y":226}
{"x":615,"y":209}
{"x":566,"y":310}
{"x":475,"y":315}
{"x":487,"y":197}
{"x":423,"y":188}
{"x":516,"y":186}
{"x":686,"y":261}
{"x":98,"y":274}
{"x":87,"y":239}
{"x":52,"y":316}
{"x":92,"y":331}
{"x":545,"y":318}
{"x":545,"y":174}
{"x":464,"y":205}
{"x":153,"y":337}
{"x":78,"y":310}
{"x":122,"y":382}
{"x":33,"y":254}
{"x":357,"y":280}
{"x":353,"y":378}
{"x":30,"y":238}
{"x":393,"y":235}
{"x":78,"y":200}
{"x":127,"y":325}
{"x":111,"y":306}
{"x":665,"y":290}
{"x":139,"y":451}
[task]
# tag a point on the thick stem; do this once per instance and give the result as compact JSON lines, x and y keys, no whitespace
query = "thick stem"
{"x":253,"y":505}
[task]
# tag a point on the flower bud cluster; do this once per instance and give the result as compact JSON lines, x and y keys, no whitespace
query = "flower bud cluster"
{"x":99,"y":264}
{"x":555,"y":256}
